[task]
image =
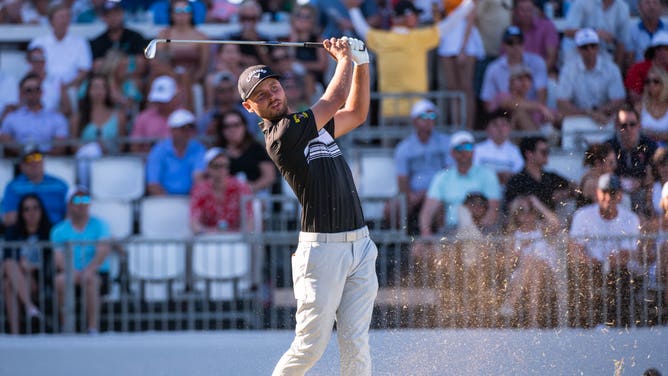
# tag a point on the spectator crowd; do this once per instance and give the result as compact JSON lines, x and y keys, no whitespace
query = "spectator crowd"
{"x":600,"y":81}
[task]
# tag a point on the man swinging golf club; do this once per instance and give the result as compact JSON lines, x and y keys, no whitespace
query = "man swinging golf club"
{"x":333,"y":268}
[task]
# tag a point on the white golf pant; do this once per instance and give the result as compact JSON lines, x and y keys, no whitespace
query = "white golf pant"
{"x":334,"y":278}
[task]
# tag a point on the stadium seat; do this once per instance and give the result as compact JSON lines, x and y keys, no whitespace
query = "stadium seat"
{"x":165,"y":217}
{"x":117,"y":178}
{"x":377,"y":182}
{"x":567,"y":164}
{"x":579,"y":131}
{"x":62,"y":167}
{"x":6,"y":174}
{"x":156,"y":268}
{"x":221,"y":265}
{"x":14,"y":63}
{"x":117,"y":214}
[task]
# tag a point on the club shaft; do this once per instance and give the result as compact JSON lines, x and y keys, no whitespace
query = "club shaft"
{"x":246,"y":42}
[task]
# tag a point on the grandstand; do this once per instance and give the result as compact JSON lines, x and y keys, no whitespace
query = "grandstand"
{"x":165,"y":279}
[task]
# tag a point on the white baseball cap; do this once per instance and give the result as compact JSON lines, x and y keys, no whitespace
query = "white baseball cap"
{"x":659,"y":39}
{"x":422,"y":106}
{"x":586,"y":36}
{"x":461,"y":137}
{"x":212,"y":154}
{"x":163,"y":89}
{"x":179,"y":118}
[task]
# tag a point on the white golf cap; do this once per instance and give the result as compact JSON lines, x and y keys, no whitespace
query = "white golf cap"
{"x":586,"y":36}
{"x":422,"y":106}
{"x":180,"y":117}
{"x":461,"y":137}
{"x":163,"y":89}
{"x":660,"y":39}
{"x":212,"y":154}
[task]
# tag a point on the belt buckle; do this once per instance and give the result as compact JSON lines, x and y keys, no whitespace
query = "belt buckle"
{"x":350,"y":236}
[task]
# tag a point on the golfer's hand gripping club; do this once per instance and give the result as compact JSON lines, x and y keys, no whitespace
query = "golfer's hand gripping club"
{"x":358,"y":50}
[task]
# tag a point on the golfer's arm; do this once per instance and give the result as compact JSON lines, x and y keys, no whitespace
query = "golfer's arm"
{"x":336,"y":93}
{"x":355,"y":111}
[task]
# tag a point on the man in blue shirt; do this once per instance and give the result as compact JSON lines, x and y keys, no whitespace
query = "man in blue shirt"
{"x":90,"y":247}
{"x":173,"y":162}
{"x":32,"y":179}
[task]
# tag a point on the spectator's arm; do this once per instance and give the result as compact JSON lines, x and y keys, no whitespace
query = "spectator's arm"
{"x":359,"y":22}
{"x":430,"y":207}
{"x":155,"y":189}
{"x":267,"y":176}
{"x":492,"y":214}
{"x":9,"y":218}
{"x":402,"y":183}
{"x":102,"y":250}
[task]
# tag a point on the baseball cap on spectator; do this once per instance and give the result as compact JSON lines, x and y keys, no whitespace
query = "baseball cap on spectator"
{"x":31,"y":153}
{"x":252,"y":77}
{"x":212,"y":154}
{"x":461,"y":138}
{"x":609,"y":183}
{"x":586,"y":36}
{"x":519,"y":70}
{"x":405,"y":7}
{"x":163,"y":89}
{"x":180,"y":118}
{"x":659,"y":39}
{"x":422,"y":106}
{"x":77,"y":190}
{"x":513,"y":32}
{"x":110,"y":5}
{"x":223,"y":76}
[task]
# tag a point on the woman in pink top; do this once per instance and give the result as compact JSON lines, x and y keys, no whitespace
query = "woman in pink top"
{"x":215,"y":201}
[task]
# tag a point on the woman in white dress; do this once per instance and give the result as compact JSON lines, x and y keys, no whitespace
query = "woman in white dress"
{"x":530,"y":225}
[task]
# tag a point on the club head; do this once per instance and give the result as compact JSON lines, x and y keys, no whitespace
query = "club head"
{"x":149,"y":51}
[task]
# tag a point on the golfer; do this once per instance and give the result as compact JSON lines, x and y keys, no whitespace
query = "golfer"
{"x":334,"y":266}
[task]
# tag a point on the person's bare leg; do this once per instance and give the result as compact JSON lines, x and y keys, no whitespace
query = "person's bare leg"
{"x":92,"y":286}
{"x":18,"y":281}
{"x":466,"y":70}
{"x":450,"y":73}
{"x":11,"y":307}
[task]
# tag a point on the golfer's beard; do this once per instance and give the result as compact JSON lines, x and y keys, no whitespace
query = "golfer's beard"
{"x":276,"y":114}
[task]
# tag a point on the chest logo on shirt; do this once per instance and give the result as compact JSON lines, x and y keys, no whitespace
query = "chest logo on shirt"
{"x":297,"y":117}
{"x":322,"y":146}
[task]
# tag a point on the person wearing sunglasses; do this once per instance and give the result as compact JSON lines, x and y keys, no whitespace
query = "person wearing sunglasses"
{"x":31,"y":123}
{"x":449,"y":187}
{"x":89,"y":238}
{"x":653,"y":107}
{"x":590,"y":83}
{"x":216,"y":200}
{"x":634,"y":153}
{"x":190,"y":60}
{"x":417,"y":158}
{"x":32,"y":179}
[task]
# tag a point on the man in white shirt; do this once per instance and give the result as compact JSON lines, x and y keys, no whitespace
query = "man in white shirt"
{"x":603,"y":239}
{"x":496,"y":151}
{"x":68,"y":56}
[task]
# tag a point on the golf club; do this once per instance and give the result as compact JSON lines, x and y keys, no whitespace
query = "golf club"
{"x":149,"y":51}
